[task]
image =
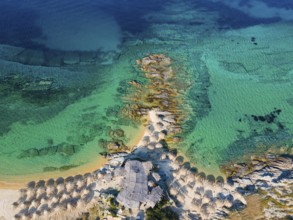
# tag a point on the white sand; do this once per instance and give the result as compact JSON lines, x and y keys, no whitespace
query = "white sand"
{"x":7,"y":197}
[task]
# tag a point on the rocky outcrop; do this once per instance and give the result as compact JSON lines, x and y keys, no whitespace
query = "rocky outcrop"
{"x":272,"y":178}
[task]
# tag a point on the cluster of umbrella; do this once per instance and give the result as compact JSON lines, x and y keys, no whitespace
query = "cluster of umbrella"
{"x":54,"y":197}
{"x":208,"y":196}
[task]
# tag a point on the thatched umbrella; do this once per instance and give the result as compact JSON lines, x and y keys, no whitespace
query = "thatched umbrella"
{"x":54,"y":199}
{"x":191,"y":178}
{"x":15,"y":205}
{"x":35,"y":203}
{"x":22,"y":206}
{"x":69,"y":206}
{"x":50,"y":190}
{"x":239,"y":197}
{"x":44,"y":201}
{"x":88,"y":177}
{"x":211,"y":209}
{"x":60,"y":188}
{"x":75,"y":194}
{"x":50,"y":182}
{"x":80,"y":203}
{"x":40,"y":191}
{"x":182,"y":172}
{"x":201,"y":176}
{"x":31,"y":185}
{"x":31,"y":193}
{"x":22,"y":192}
{"x":24,"y":217}
{"x":84,"y":192}
{"x":150,"y":128}
{"x":69,"y":186}
{"x":181,"y":182}
{"x":80,"y":183}
{"x":173,"y":191}
{"x":197,"y":196}
{"x":180,"y":198}
{"x":41,"y":183}
{"x":35,"y":216}
{"x":175,"y":166}
{"x":32,"y":209}
{"x":146,"y":138}
{"x":228,"y":203}
{"x":220,"y":180}
{"x":60,"y":180}
{"x":69,"y":179}
{"x":219,"y":203}
{"x":17,"y":217}
{"x":179,"y":160}
{"x":159,"y":126}
{"x":65,"y":196}
{"x":206,"y":199}
{"x":46,"y":213}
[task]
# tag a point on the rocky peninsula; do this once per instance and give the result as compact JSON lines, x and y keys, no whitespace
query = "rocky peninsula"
{"x":155,"y":179}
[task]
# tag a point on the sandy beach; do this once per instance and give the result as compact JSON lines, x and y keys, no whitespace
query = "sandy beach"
{"x":7,"y":197}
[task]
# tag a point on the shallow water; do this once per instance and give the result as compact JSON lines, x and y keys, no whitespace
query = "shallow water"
{"x":65,"y":68}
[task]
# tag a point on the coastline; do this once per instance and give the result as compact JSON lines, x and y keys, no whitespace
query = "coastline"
{"x":17,"y":182}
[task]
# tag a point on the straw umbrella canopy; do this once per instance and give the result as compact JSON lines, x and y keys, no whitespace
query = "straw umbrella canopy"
{"x":40,"y":191}
{"x":17,"y":216}
{"x":65,"y":196}
{"x":89,"y":177}
{"x":180,"y":198}
{"x":22,"y":192}
{"x":60,"y":180}
{"x":35,"y":216}
{"x":54,"y":199}
{"x":35,"y":203}
{"x":228,"y":203}
{"x":60,"y":188}
{"x":15,"y":205}
{"x":69,"y":206}
{"x":84,"y":192}
{"x":206,"y":199}
{"x":80,"y":203}
{"x":50,"y":182}
{"x":173,"y":191}
{"x":80,"y":183}
{"x":211,"y":209}
{"x":44,"y":201}
{"x":32,"y":209}
{"x":50,"y":190}
{"x":22,"y":206}
{"x":46,"y":213}
{"x":179,"y":160}
{"x":75,"y":194}
{"x":31,"y":193}
{"x":41,"y":183}
{"x":31,"y":185}
{"x":197,"y":196}
{"x":69,"y":186}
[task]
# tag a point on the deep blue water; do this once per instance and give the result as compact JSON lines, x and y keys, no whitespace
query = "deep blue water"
{"x":19,"y":19}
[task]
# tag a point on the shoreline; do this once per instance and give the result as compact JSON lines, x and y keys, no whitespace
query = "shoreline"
{"x":19,"y":181}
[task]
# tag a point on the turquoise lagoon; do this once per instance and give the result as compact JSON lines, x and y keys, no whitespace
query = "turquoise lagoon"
{"x":63,"y":80}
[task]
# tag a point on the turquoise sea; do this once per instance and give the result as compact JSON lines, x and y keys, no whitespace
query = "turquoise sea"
{"x":65,"y":67}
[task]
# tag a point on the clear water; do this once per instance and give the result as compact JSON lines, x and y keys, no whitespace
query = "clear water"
{"x":66,"y":65}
